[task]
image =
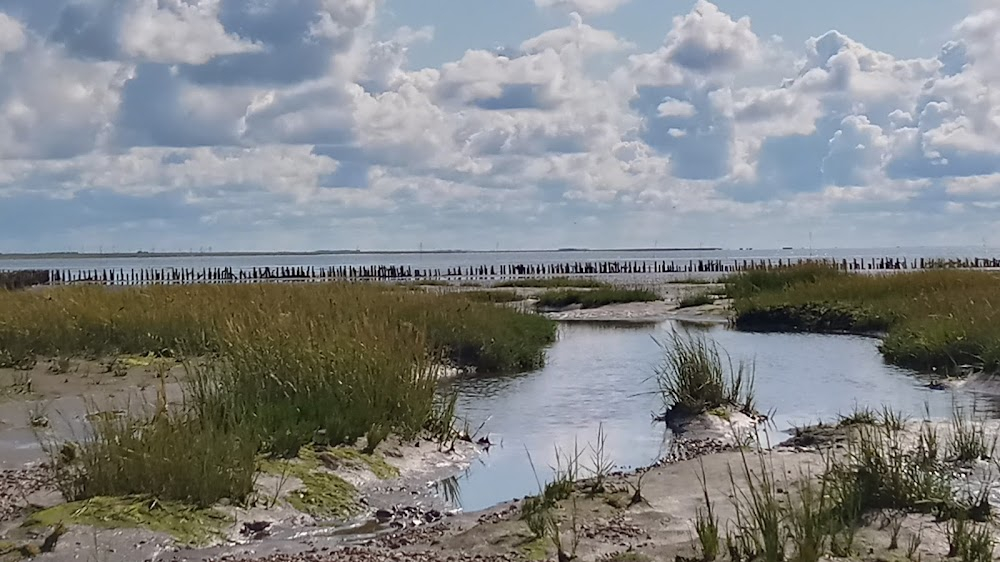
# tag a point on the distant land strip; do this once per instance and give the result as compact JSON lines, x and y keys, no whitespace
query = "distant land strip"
{"x":141,"y":254}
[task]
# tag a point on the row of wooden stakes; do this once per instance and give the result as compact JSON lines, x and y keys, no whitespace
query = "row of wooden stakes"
{"x":16,"y":279}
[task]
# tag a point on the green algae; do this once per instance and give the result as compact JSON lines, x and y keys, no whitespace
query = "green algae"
{"x":149,"y":360}
{"x":722,"y":413}
{"x":189,"y":525}
{"x":536,"y":549}
{"x":352,"y":457}
{"x":322,"y":494}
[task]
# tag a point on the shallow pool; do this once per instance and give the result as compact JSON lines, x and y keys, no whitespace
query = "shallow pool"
{"x":602,"y":375}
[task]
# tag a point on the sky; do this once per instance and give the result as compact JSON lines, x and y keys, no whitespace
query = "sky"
{"x":479,"y":124}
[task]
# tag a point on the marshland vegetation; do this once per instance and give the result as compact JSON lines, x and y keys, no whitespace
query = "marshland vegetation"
{"x":272,"y":370}
{"x":696,"y":299}
{"x":555,"y":283}
{"x":278,"y":376}
{"x":594,"y":298}
{"x":942,"y":320}
{"x":695,"y":379}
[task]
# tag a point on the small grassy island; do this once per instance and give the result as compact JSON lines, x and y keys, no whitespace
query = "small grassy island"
{"x":946,"y":321}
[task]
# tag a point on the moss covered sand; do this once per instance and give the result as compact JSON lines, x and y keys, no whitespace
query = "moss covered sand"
{"x":185,"y":524}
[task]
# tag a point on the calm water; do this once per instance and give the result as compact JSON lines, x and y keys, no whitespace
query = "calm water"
{"x":601,"y":375}
{"x":443,"y":261}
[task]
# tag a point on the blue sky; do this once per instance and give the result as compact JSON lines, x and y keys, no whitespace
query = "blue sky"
{"x":385,"y":124}
{"x":484,"y":24}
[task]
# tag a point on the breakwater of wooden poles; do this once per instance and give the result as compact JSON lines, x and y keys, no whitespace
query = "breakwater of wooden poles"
{"x":142,"y":276}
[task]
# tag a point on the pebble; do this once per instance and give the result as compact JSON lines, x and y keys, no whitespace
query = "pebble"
{"x":688,"y":449}
{"x":362,"y":554}
{"x":18,"y":484}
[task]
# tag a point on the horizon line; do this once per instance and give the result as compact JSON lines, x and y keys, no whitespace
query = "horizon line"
{"x":168,"y":254}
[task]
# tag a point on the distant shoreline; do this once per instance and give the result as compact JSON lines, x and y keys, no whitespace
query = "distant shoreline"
{"x":91,"y":255}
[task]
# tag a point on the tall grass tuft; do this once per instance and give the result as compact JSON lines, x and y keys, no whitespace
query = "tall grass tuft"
{"x":167,"y":456}
{"x":706,"y":523}
{"x":760,"y":515}
{"x":969,"y":542}
{"x":694,"y":379}
{"x":809,"y":523}
{"x":969,"y":440}
{"x":880,"y":472}
{"x":322,"y":383}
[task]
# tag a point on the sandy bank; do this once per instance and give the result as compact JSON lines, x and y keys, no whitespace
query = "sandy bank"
{"x":392,"y":489}
{"x":610,"y":522}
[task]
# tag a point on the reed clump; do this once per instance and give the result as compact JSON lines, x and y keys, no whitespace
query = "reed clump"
{"x":694,"y":378}
{"x":940,"y":320}
{"x":164,"y":456}
{"x":594,"y":298}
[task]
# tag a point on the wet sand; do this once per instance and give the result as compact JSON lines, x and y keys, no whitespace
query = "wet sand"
{"x":609,"y":523}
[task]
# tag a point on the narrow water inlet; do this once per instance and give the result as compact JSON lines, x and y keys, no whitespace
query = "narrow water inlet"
{"x":603,"y":376}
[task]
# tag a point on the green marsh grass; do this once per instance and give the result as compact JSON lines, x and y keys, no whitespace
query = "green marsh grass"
{"x":694,"y":378}
{"x":969,"y":542}
{"x":760,"y":516}
{"x":197,"y":319}
{"x":271,"y":369}
{"x":969,"y":440}
{"x":325,"y":382}
{"x":499,"y":296}
{"x":166,"y":456}
{"x":940,"y":320}
{"x":696,"y":299}
{"x":594,"y":298}
{"x":706,"y":524}
{"x":555,"y":283}
{"x":879,"y":476}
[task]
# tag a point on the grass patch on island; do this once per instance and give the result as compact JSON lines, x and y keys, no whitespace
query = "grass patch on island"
{"x":554,"y":283}
{"x":696,"y":299}
{"x":595,"y":298}
{"x":496,"y":297}
{"x":695,"y":379}
{"x":940,"y":320}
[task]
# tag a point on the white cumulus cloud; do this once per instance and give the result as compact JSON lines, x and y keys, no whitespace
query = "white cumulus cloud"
{"x":305,"y":118}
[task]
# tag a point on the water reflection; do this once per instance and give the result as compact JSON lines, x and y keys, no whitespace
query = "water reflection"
{"x":598,"y":373}
{"x":450,"y":489}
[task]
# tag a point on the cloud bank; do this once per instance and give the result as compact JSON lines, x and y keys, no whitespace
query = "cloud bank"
{"x":295,"y":124}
